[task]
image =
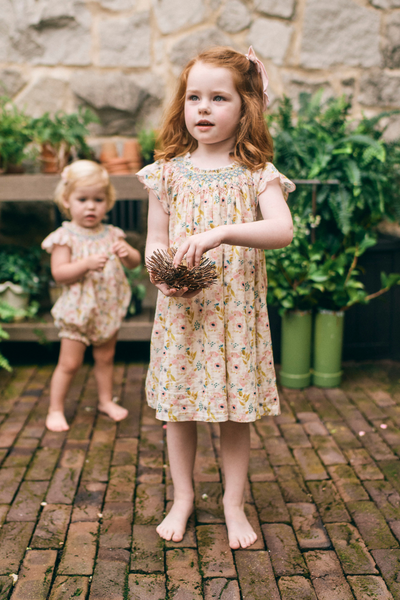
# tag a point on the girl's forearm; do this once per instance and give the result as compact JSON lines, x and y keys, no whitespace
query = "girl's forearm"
{"x":71,"y":272}
{"x":266,"y":234}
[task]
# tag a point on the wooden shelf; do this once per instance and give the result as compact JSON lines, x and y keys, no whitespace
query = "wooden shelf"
{"x":39,"y":187}
{"x":137,"y":328}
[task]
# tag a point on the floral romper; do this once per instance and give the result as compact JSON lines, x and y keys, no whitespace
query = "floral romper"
{"x":211,"y":356}
{"x":91,"y":310}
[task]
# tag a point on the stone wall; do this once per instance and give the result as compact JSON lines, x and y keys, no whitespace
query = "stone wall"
{"x":121,"y":57}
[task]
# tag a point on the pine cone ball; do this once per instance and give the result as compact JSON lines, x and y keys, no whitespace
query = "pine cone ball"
{"x":160,"y":266}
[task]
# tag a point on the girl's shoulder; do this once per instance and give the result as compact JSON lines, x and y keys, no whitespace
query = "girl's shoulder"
{"x":269,"y":173}
{"x":159,"y":168}
{"x":62,"y":236}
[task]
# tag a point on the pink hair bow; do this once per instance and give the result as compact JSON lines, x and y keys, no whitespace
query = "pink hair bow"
{"x":251,"y":55}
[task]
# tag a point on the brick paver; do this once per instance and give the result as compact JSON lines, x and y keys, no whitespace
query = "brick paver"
{"x":78,"y":509}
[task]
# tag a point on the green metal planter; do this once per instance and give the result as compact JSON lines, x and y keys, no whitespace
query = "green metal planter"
{"x":328,"y":343}
{"x":296,"y":349}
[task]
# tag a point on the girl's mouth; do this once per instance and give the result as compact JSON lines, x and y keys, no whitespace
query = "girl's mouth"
{"x":204,"y":124}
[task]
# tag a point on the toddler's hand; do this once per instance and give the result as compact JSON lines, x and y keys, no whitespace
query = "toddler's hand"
{"x":96,"y":262}
{"x":195,"y":245}
{"x":120,"y":248}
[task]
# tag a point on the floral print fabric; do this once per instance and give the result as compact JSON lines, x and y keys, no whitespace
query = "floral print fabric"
{"x":211,"y":356}
{"x":91,"y":310}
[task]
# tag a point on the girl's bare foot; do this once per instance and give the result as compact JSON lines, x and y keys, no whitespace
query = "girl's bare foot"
{"x":115,"y":412}
{"x":173,"y":527}
{"x":55,"y":421}
{"x":240,"y":532}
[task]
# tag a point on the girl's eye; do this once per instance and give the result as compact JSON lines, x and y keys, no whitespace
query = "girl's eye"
{"x":193,"y":97}
{"x":218,"y":98}
{"x":99,"y":199}
{"x":82,"y":199}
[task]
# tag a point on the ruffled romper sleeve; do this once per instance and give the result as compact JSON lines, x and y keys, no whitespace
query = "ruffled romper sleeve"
{"x":59,"y":237}
{"x":269,"y":173}
{"x":155,"y":178}
{"x":116,"y":233}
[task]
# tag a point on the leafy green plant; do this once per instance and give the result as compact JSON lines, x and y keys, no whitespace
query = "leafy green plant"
{"x":62,"y":132}
{"x":135,"y":276}
{"x":324,"y":143}
{"x":147,"y":139}
{"x":4,"y":364}
{"x":292,"y":284}
{"x":305,"y":275}
{"x":21,"y":266}
{"x":8,"y":314}
{"x":15,"y":134}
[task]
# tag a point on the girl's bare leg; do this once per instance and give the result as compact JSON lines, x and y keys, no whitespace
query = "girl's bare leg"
{"x":235,"y":452}
{"x":182,"y":443}
{"x":69,"y":361}
{"x":103,"y":371}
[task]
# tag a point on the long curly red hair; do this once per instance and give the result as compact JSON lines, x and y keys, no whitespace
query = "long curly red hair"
{"x":254,"y":146}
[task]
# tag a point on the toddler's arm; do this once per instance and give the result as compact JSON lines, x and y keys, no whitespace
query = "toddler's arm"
{"x":130,"y":257}
{"x":274,"y":231}
{"x":66,"y":272}
{"x":158,"y":239}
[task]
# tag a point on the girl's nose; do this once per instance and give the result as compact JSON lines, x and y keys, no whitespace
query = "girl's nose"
{"x":204,"y":107}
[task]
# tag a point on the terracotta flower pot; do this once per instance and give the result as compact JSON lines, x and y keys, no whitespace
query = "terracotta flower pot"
{"x":133,"y":155}
{"x":117,"y":166}
{"x":108,"y":152}
{"x":49,"y":159}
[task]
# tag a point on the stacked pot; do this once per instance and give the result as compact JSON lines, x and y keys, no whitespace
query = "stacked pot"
{"x":129,"y":162}
{"x":298,"y":352}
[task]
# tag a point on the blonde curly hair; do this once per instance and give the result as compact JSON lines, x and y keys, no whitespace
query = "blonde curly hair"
{"x":82,"y":173}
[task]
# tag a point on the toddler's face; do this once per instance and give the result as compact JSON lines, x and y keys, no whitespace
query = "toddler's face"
{"x":212,"y":105}
{"x":87,"y":205}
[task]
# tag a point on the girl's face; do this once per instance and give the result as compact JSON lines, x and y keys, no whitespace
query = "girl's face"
{"x":212,"y":106}
{"x":87,"y":205}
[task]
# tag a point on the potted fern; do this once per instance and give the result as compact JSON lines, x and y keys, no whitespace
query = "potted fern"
{"x":58,"y":135}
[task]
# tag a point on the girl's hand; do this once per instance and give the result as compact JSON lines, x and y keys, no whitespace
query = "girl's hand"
{"x":172,"y":292}
{"x":195,"y":245}
{"x":96,"y":262}
{"x":120,"y":248}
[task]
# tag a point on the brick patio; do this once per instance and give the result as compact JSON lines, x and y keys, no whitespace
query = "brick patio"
{"x":78,"y":510}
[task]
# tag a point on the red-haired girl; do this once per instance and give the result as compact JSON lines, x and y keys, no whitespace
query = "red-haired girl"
{"x":211,"y":355}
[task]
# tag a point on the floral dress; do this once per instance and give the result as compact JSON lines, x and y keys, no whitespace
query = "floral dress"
{"x":211,"y":356}
{"x":91,"y":310}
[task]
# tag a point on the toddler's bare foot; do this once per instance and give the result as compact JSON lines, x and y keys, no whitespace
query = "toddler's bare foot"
{"x":173,"y":527}
{"x":55,"y":421}
{"x":115,"y":412}
{"x":240,"y":532}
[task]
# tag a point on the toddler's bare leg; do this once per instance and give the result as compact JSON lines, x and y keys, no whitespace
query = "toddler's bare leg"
{"x":69,"y":361}
{"x":103,"y":370}
{"x":235,"y":452}
{"x":182,"y":443}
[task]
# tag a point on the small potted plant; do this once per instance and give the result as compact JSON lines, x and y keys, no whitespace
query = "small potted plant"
{"x":135,"y":277}
{"x":15,"y":137}
{"x":20,"y":275}
{"x":57,"y":136}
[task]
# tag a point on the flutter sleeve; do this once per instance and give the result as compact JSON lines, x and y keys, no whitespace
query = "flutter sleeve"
{"x":154,"y":178}
{"x":269,"y":173}
{"x":59,"y":237}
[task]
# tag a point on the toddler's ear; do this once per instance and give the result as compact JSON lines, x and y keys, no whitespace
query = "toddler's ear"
{"x":65,"y":201}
